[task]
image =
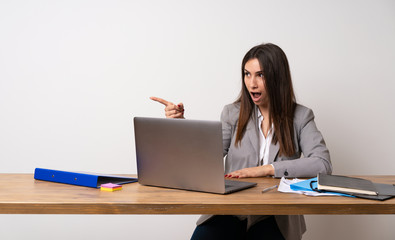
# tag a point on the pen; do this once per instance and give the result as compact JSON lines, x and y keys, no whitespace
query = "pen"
{"x":269,"y":188}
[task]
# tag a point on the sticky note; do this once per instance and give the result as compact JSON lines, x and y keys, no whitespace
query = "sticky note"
{"x":110,"y":187}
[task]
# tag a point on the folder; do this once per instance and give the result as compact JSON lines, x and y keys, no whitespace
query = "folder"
{"x":307,"y":185}
{"x":80,"y":179}
{"x":385,"y":191}
{"x":339,"y":183}
{"x":349,"y":185}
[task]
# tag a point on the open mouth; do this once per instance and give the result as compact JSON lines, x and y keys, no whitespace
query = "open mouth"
{"x":255,"y":96}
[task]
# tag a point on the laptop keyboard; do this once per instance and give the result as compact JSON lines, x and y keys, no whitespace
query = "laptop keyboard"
{"x":232,"y":186}
{"x":230,"y":183}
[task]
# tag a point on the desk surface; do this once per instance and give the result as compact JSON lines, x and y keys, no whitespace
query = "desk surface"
{"x":21,"y":194}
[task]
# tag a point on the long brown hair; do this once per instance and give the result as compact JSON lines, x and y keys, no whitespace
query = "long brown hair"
{"x":282,"y":102}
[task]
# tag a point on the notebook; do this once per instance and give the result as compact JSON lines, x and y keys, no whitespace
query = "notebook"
{"x":182,"y":154}
{"x":357,"y":187}
{"x":345,"y":184}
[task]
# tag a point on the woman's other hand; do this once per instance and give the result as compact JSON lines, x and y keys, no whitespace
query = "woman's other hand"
{"x":171,"y":110}
{"x":260,"y":171}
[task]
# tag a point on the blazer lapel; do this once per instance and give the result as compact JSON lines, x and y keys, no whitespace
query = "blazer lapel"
{"x":252,"y":135}
{"x":273,"y":151}
{"x":252,"y":132}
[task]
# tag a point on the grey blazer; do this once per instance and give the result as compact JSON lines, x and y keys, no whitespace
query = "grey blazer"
{"x":308,"y":141}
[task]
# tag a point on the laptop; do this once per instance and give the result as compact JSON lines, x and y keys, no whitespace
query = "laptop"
{"x":182,"y":154}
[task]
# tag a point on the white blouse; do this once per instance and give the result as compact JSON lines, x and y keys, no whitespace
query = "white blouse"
{"x":264,"y":141}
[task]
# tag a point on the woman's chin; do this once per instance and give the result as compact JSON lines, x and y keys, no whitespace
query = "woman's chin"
{"x":257,"y":101}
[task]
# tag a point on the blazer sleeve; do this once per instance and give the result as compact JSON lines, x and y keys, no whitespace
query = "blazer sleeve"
{"x":311,"y":144}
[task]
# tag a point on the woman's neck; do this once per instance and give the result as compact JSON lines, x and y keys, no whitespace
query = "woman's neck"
{"x":265,"y":125}
{"x":264,"y":111}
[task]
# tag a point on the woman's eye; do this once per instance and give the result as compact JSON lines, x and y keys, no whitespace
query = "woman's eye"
{"x":247,"y":74}
{"x":260,"y":75}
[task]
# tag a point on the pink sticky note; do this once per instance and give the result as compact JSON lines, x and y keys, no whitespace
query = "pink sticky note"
{"x":110,"y":185}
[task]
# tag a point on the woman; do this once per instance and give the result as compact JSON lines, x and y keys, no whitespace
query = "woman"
{"x":265,"y":133}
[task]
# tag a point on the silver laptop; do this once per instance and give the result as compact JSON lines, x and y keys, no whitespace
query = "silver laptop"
{"x":183,"y":154}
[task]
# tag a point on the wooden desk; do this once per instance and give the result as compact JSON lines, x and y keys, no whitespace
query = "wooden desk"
{"x":21,"y":194}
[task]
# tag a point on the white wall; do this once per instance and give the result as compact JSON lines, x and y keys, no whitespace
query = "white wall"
{"x":74,"y":73}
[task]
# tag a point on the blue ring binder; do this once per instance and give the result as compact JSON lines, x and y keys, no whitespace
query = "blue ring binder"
{"x":80,"y":179}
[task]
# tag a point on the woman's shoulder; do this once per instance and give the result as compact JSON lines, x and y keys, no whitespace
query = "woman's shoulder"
{"x":233,"y":107}
{"x":303,"y":114}
{"x":230,"y":113}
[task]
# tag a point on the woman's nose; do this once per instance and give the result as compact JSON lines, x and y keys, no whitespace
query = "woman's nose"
{"x":253,"y":82}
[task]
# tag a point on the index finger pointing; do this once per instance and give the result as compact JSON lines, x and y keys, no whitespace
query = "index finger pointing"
{"x":160,"y":100}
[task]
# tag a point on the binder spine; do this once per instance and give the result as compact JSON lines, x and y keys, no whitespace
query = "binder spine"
{"x":79,"y":179}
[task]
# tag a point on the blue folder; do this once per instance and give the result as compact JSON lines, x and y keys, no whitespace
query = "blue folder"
{"x":305,"y":186}
{"x":81,"y":179}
